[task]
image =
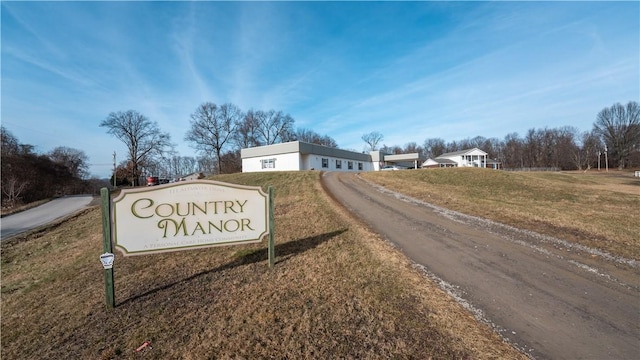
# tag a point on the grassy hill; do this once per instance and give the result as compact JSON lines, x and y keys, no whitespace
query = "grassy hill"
{"x":600,"y":210}
{"x":337,"y":291}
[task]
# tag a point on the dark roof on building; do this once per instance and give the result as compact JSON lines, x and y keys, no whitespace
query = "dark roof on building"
{"x":303,"y":148}
{"x":461,"y":152}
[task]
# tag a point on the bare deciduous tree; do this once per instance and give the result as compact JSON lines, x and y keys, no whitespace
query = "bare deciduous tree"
{"x":212,"y":127}
{"x":434,"y":147}
{"x":372,"y":140}
{"x":206,"y":164}
{"x":142,"y":137}
{"x":620,"y":128}
{"x":393,"y":149}
{"x":564,"y":146}
{"x":274,"y":127}
{"x":8,"y":143}
{"x":75,"y":160}
{"x":232,"y":161}
{"x":246,"y":135}
{"x":412,"y":147}
{"x":313,"y":137}
{"x":178,"y":166}
{"x":585,"y":154}
{"x":12,"y":188}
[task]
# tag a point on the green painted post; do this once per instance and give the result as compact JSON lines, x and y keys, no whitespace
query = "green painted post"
{"x":272,"y":226}
{"x":106,"y":246}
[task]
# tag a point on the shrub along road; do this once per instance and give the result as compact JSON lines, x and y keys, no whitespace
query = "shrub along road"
{"x":546,"y":297}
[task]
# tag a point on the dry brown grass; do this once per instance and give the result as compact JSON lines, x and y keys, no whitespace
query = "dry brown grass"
{"x":598,"y":210}
{"x":337,"y":291}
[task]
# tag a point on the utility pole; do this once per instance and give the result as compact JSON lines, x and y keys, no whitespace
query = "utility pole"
{"x":114,"y":169}
{"x":599,"y":153}
{"x":606,"y":159}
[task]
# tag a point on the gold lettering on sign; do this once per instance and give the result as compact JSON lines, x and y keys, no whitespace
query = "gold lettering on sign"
{"x":173,"y":219}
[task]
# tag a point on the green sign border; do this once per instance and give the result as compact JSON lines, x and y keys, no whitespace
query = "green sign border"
{"x":152,"y":189}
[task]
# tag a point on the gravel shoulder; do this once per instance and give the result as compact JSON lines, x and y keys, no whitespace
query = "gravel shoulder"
{"x":551,"y":299}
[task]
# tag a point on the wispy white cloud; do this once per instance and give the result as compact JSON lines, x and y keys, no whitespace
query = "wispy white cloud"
{"x":185,"y":32}
{"x":515,"y":85}
{"x":49,"y":46}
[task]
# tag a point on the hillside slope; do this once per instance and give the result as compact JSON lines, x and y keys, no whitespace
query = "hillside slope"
{"x":337,"y":291}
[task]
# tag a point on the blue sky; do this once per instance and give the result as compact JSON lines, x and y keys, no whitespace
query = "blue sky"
{"x":410,"y":70}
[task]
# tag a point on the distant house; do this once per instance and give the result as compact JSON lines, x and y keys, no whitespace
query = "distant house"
{"x":436,"y":163}
{"x":494,"y":164}
{"x":299,"y":155}
{"x":193,"y":176}
{"x":463,"y":158}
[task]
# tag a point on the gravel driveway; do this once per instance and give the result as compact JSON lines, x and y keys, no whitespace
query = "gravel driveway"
{"x":551,"y":299}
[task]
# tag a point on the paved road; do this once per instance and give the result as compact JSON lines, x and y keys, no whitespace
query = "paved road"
{"x":30,"y":219}
{"x":552,"y":300}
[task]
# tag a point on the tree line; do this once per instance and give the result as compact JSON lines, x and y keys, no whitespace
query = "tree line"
{"x":615,"y":137}
{"x":28,"y":176}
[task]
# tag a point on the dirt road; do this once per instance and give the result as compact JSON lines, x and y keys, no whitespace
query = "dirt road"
{"x":549,"y":298}
{"x":30,"y":219}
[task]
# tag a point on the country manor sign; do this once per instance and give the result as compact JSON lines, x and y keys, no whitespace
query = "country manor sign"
{"x":185,"y":215}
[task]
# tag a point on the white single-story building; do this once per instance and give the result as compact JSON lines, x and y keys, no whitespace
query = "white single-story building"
{"x":299,"y":155}
{"x":463,"y":158}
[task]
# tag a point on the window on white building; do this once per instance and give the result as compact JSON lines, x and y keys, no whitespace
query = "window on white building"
{"x":268,"y":163}
{"x":350,"y":165}
{"x":338,"y":164}
{"x":325,"y":163}
{"x":360,"y":166}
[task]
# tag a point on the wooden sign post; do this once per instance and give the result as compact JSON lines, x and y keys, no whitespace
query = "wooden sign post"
{"x":183,"y":216}
{"x":271,"y":245}
{"x":107,"y":248}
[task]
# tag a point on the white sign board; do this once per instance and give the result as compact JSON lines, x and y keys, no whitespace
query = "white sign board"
{"x":185,"y":215}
